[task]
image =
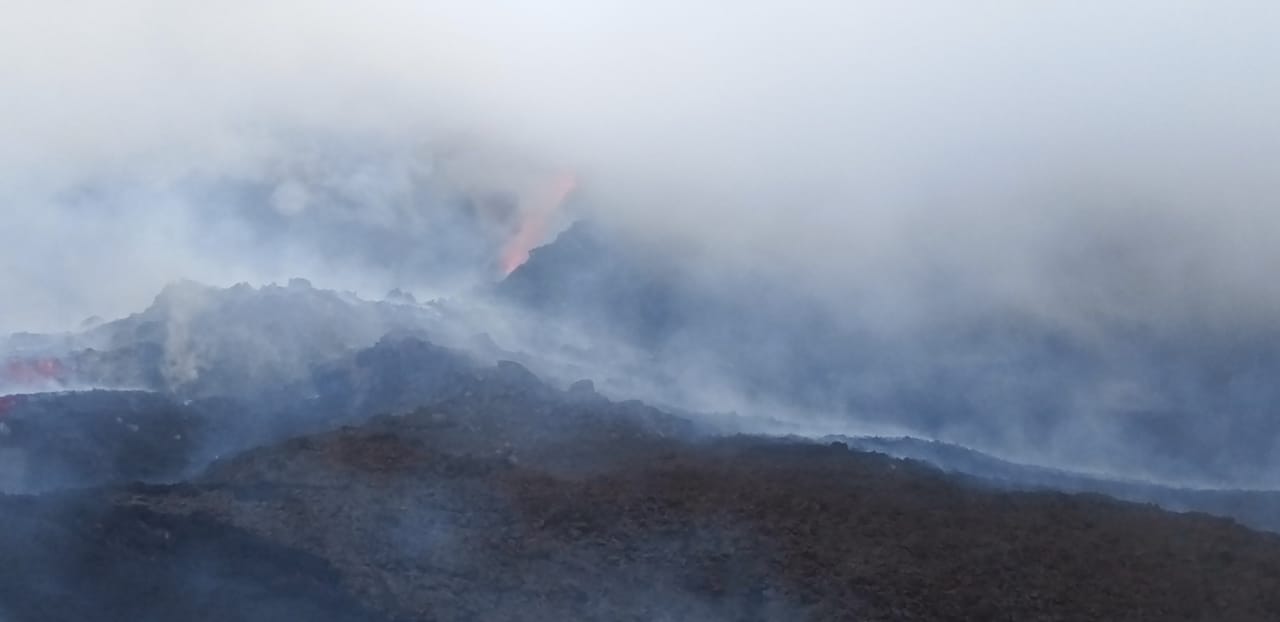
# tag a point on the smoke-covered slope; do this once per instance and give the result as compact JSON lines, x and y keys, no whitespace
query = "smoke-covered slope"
{"x":460,"y":489}
{"x":275,"y":362}
{"x":53,"y":440}
{"x":515,"y":501}
{"x":219,"y":342}
{"x":1194,"y":405}
{"x":1259,"y":509}
{"x":197,"y":341}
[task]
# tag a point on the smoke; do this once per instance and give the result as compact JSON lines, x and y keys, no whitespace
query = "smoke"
{"x":1071,"y":159}
{"x":1103,"y":174}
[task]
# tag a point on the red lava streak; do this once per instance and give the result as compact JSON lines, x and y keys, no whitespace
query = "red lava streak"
{"x":534,"y":220}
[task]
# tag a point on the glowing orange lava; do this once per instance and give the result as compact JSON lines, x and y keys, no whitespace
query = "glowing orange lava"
{"x":534,"y":220}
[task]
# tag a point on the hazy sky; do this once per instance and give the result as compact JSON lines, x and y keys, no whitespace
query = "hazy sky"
{"x":1068,"y":157}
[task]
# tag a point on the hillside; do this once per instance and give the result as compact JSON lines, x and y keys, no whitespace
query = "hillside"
{"x":511,"y":500}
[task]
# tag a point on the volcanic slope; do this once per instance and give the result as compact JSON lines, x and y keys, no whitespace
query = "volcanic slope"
{"x":1188,"y":404}
{"x":511,"y":500}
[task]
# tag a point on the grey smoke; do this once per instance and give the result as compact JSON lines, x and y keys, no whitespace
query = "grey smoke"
{"x":1097,"y":171}
{"x":1010,"y":148}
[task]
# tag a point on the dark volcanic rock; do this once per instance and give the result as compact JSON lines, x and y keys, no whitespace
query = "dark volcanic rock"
{"x":1259,"y":509}
{"x":597,"y":278}
{"x":197,"y":342}
{"x":459,"y":491}
{"x":509,"y":500}
{"x":400,"y":372}
{"x":1194,"y":402}
{"x":500,"y":505}
{"x":55,"y":440}
{"x":79,"y":558}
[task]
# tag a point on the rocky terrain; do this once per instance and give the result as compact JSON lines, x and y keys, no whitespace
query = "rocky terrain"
{"x":207,"y":460}
{"x":50,"y":441}
{"x":1191,"y":405}
{"x":1259,"y":509}
{"x":507,"y":499}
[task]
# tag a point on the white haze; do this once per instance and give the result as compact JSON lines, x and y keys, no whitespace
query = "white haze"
{"x":1072,"y":159}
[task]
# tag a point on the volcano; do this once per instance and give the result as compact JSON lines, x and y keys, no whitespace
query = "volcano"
{"x":365,"y":472}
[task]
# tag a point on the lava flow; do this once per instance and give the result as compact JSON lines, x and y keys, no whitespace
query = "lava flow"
{"x":535,"y":217}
